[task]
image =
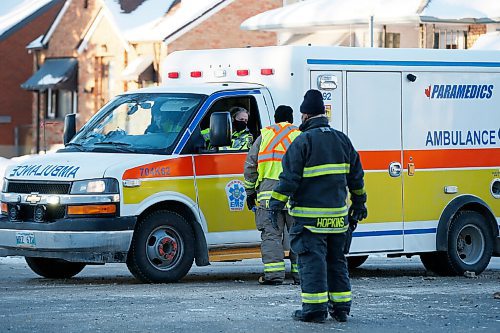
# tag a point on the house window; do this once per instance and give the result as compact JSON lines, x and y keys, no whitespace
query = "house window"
{"x":60,"y":103}
{"x":392,"y":40}
{"x":450,"y":39}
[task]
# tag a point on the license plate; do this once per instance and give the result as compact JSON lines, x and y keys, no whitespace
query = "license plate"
{"x":25,"y":239}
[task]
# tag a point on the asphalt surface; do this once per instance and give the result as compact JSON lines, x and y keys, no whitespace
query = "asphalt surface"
{"x":390,"y":295}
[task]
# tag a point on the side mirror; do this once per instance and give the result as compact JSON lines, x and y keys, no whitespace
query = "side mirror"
{"x":69,"y":128}
{"x":220,"y":129}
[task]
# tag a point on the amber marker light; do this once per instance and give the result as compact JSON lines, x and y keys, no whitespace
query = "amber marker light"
{"x":91,"y":209}
{"x":4,"y":208}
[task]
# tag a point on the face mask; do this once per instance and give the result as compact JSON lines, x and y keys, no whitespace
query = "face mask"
{"x":239,"y":125}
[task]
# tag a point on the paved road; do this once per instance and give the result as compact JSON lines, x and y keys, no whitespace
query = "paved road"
{"x":390,"y":295}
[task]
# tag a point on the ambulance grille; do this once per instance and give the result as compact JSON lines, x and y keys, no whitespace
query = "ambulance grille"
{"x":42,"y":187}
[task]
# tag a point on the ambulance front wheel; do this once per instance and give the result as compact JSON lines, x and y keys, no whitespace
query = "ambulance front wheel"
{"x":162,"y":248}
{"x":470,"y":247}
{"x":54,"y":268}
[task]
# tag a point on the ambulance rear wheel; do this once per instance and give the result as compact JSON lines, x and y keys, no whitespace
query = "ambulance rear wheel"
{"x":470,"y":243}
{"x":355,"y":262}
{"x":162,"y":248}
{"x":470,"y":247}
{"x":54,"y":268}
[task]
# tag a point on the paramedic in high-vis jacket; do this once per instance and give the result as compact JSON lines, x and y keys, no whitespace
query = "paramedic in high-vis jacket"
{"x":316,"y":169}
{"x":241,"y":139}
{"x":262,"y":169}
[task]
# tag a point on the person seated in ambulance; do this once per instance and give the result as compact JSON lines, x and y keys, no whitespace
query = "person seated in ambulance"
{"x":156,"y":123}
{"x":162,"y":121}
{"x":241,"y":138}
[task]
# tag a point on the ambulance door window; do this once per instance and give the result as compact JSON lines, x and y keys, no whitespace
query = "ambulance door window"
{"x":225,"y":104}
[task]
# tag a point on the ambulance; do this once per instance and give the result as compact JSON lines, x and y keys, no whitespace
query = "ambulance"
{"x":137,"y":184}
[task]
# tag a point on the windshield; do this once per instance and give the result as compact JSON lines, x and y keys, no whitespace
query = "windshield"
{"x":139,"y":123}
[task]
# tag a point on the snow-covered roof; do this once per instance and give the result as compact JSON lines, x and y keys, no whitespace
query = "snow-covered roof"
{"x":489,"y":41}
{"x":136,"y":67}
{"x":142,"y":19}
{"x":314,"y":14}
{"x":150,"y":22}
{"x":36,"y":43}
{"x":16,"y":12}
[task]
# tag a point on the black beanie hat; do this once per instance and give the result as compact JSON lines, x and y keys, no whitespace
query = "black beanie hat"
{"x":283,"y":113}
{"x":313,"y":103}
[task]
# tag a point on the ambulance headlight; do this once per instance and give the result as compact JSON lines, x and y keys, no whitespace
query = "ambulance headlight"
{"x":4,"y":185}
{"x":95,"y":186}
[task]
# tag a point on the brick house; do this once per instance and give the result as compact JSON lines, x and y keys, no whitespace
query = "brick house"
{"x":19,"y":25}
{"x":104,"y":47}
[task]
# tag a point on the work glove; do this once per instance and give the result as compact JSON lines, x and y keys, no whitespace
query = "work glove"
{"x":273,"y":217}
{"x":251,"y":201}
{"x":353,"y":224}
{"x":357,"y":212}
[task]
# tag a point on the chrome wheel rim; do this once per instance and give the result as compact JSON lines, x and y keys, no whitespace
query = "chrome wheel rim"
{"x":470,"y":244}
{"x":164,"y":248}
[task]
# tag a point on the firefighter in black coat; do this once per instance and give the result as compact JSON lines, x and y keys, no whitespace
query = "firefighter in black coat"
{"x":317,"y":167}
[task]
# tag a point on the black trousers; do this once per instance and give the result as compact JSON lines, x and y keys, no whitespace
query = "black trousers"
{"x":324,"y":277}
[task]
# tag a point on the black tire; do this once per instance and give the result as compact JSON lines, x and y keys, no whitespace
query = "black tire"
{"x":437,"y":262}
{"x":54,"y":268}
{"x":355,"y":262}
{"x":162,"y":248}
{"x":470,"y":247}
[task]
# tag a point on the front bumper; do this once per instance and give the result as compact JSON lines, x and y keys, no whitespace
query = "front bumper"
{"x":96,"y":240}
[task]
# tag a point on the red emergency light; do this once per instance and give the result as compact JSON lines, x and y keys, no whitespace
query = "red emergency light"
{"x":267,"y":71}
{"x":173,"y":75}
{"x":196,"y":74}
{"x":242,"y":72}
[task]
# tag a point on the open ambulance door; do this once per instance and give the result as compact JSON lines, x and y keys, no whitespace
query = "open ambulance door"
{"x":373,"y":104}
{"x":219,"y":174}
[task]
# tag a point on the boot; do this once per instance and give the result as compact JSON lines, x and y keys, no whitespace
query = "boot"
{"x":263,"y":281}
{"x":312,"y":317}
{"x":340,"y":316}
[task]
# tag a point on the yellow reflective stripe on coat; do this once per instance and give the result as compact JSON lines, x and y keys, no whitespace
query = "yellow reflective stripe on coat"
{"x":248,"y":184}
{"x":279,"y":196}
{"x":359,"y":192}
{"x":314,"y":298}
{"x":264,"y":195}
{"x":317,"y":230}
{"x":315,"y":212}
{"x":345,"y":296}
{"x":326,"y":169}
{"x":274,"y":267}
{"x":295,"y":268}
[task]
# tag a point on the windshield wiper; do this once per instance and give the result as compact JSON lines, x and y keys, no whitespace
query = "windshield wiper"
{"x":120,"y":145}
{"x":112,"y":143}
{"x":77,"y":145}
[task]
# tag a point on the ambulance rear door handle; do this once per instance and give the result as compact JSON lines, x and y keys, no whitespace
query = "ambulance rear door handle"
{"x":395,"y":169}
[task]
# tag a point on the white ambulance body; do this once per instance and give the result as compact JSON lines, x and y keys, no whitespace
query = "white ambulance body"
{"x":425,"y":122}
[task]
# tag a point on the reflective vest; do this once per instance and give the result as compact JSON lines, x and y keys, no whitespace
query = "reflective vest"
{"x":239,"y":140}
{"x":275,"y":141}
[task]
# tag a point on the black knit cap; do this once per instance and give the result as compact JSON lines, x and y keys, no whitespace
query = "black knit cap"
{"x":283,"y":113}
{"x":313,"y":103}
